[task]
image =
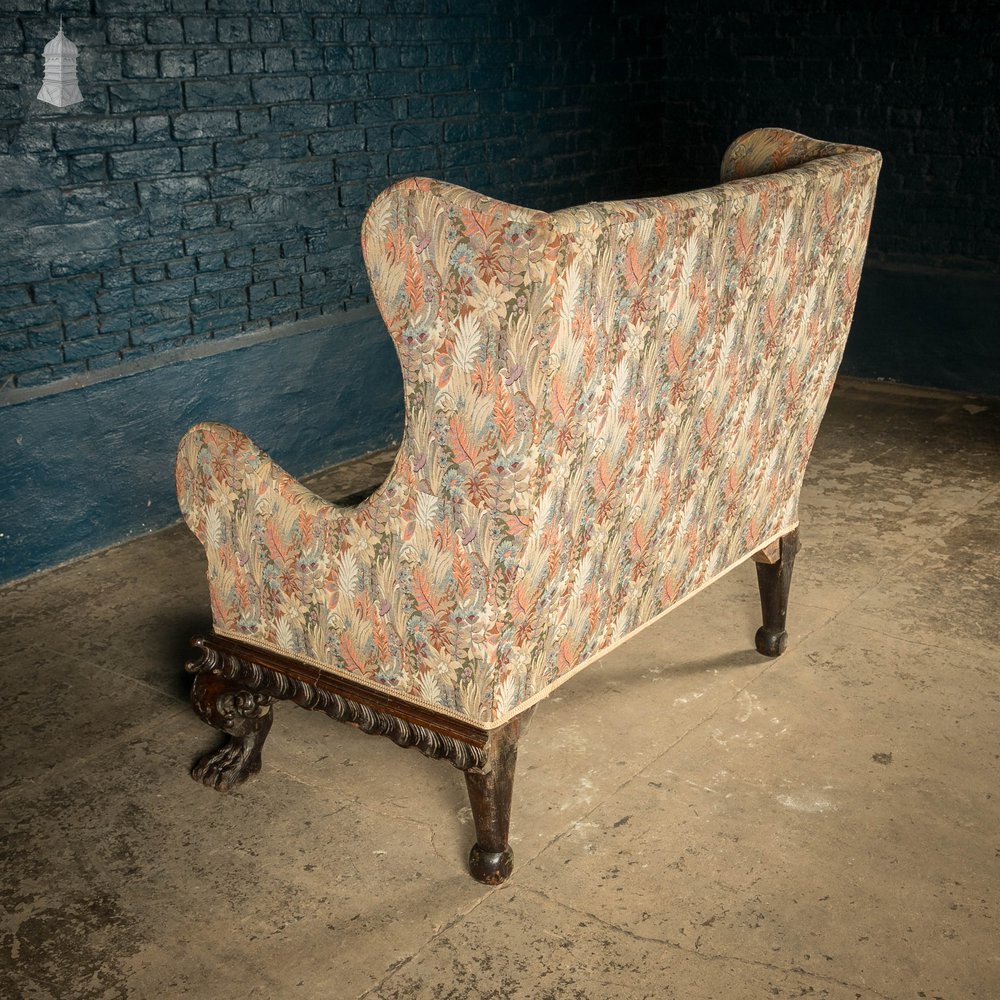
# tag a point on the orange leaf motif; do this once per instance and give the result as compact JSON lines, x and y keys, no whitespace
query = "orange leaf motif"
{"x":462,"y":570}
{"x":523,"y":602}
{"x":562,"y":402}
{"x":677,"y":353}
{"x":503,"y":414}
{"x":461,"y":446}
{"x":483,"y":377}
{"x":516,"y":524}
{"x":604,"y":480}
{"x":350,"y":655}
{"x":275,"y":545}
{"x":414,"y":281}
{"x":744,"y":238}
{"x":423,"y":594}
{"x":381,"y":639}
{"x":770,"y":314}
{"x":827,"y":213}
{"x":635,"y":274}
{"x":396,"y":243}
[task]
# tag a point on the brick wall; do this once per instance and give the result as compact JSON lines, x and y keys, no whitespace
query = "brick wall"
{"x":918,"y":82}
{"x":214,"y":179}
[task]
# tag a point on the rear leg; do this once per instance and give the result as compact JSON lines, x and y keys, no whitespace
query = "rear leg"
{"x":774,"y":577}
{"x":490,"y":790}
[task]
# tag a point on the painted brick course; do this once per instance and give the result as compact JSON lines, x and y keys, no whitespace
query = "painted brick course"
{"x":215,"y":176}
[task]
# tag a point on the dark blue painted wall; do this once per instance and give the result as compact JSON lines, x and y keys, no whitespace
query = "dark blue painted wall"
{"x":212,"y":183}
{"x":211,"y":187}
{"x":91,"y":466}
{"x":927,"y":326}
{"x":919,"y":83}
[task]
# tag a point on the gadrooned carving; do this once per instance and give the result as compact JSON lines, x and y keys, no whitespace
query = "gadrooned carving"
{"x":263,"y":682}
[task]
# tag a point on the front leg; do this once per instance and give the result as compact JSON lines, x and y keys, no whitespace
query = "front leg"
{"x":245,"y":716}
{"x":490,"y":791}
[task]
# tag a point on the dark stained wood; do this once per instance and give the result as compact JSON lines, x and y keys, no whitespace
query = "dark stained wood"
{"x":323,"y":680}
{"x":236,"y":685}
{"x":244,"y":716}
{"x":239,"y":666}
{"x":774,"y":580}
{"x":491,"y":788}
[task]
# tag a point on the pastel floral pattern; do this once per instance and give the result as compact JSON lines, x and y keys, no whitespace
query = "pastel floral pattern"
{"x":606,"y":408}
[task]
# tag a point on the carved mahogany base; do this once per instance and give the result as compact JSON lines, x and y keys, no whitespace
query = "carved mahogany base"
{"x":774,"y":577}
{"x":236,"y":685}
{"x":245,"y":716}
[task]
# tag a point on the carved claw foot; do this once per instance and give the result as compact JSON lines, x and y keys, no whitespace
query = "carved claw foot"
{"x":232,"y":764}
{"x":245,"y":716}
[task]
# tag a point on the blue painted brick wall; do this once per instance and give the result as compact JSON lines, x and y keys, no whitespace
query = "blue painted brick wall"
{"x":218,"y":136}
{"x":214,"y":179}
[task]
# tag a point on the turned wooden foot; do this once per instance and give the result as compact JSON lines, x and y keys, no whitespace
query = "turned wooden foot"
{"x":244,"y":716}
{"x":490,"y":789}
{"x":774,"y":577}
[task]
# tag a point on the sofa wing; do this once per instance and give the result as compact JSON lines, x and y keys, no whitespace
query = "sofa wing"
{"x":402,"y":592}
{"x":771,"y":150}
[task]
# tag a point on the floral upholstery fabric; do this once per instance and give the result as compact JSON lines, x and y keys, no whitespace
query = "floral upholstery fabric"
{"x":606,"y":408}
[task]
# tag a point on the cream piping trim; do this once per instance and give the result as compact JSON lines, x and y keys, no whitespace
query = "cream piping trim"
{"x":384,"y":689}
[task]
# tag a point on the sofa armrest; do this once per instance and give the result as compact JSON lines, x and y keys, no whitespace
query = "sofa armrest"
{"x":261,"y":528}
{"x":217,"y":463}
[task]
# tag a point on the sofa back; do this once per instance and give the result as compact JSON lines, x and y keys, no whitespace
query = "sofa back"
{"x":609,"y":406}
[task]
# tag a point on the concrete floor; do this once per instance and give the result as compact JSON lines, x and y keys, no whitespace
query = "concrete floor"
{"x":690,"y":820}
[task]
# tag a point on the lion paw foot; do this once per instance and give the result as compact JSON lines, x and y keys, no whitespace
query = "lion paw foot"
{"x":228,"y":766}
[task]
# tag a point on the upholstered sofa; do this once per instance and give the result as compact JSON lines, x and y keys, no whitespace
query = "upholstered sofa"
{"x":607,"y":408}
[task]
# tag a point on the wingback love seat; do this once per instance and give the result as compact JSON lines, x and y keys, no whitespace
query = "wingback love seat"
{"x":607,"y":408}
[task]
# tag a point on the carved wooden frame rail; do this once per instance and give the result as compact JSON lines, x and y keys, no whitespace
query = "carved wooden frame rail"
{"x":236,"y":685}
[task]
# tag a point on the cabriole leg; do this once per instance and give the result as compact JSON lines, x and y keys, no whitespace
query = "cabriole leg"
{"x":490,"y":790}
{"x":774,"y":577}
{"x":245,"y":716}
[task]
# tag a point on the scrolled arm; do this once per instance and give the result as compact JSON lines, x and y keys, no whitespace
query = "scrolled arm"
{"x":261,"y":529}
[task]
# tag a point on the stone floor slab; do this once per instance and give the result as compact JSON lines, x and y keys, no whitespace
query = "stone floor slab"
{"x":840,"y":818}
{"x":131,"y":879}
{"x":522,"y":946}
